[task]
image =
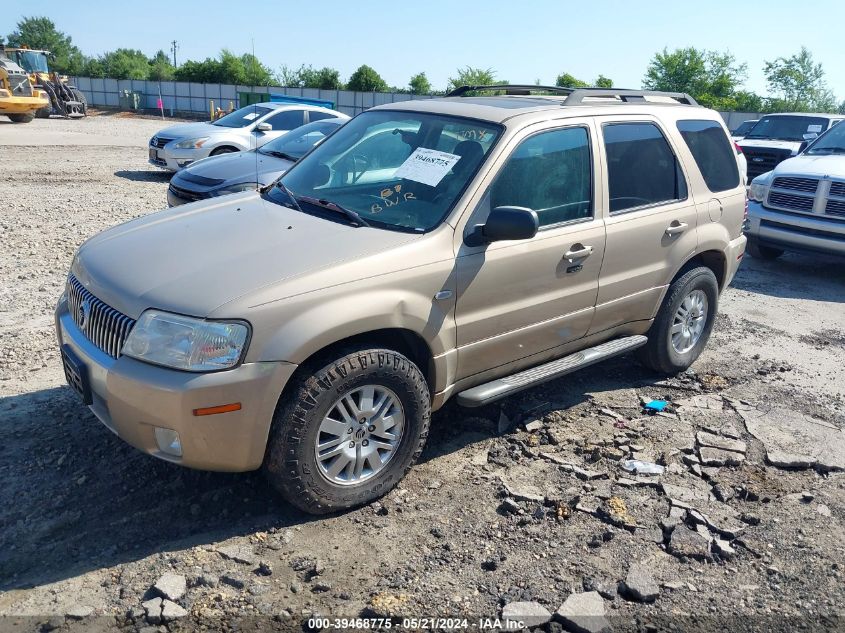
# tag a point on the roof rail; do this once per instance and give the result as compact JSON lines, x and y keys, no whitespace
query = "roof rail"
{"x":578,"y":95}
{"x":514,"y":89}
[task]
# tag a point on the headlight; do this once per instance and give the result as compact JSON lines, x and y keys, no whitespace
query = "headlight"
{"x":191,"y":143}
{"x":759,"y":187}
{"x":186,"y":343}
{"x":243,"y":186}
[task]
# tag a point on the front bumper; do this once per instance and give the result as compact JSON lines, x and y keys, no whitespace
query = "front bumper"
{"x":132,"y":398}
{"x":175,"y":159}
{"x":795,"y":231}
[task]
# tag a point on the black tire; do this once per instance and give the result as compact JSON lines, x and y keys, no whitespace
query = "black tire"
{"x":659,"y":354}
{"x":79,"y":96}
{"x":290,"y":463}
{"x":223,"y":150}
{"x":44,"y":113}
{"x":21,"y":118}
{"x":759,"y":251}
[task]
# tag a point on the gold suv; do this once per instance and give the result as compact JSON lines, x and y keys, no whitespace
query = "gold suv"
{"x":469,"y":246}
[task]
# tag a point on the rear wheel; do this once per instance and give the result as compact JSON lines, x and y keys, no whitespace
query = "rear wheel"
{"x":345,"y":434}
{"x":21,"y":118}
{"x":759,"y":251}
{"x":683,"y":324}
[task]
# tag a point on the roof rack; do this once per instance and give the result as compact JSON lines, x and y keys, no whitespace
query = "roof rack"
{"x":576,"y":96}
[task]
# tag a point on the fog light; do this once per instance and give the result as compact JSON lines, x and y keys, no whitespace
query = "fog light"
{"x":168,"y":442}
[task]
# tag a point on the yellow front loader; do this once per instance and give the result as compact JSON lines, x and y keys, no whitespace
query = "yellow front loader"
{"x":19,"y":100}
{"x":65,"y":99}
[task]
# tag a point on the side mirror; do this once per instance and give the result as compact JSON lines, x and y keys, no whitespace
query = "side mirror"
{"x":505,"y":223}
{"x":263,"y":127}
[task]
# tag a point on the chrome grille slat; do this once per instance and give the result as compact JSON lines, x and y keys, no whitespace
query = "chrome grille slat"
{"x":807,"y":185}
{"x":790,"y":201}
{"x":837,"y":189}
{"x":105,"y":327}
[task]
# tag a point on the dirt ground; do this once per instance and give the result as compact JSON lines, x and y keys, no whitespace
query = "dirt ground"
{"x":523,"y":501}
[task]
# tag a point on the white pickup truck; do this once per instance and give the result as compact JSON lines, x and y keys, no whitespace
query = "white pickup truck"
{"x":800,"y":204}
{"x":777,"y":137}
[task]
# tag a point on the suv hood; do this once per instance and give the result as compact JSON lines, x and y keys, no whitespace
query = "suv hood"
{"x":189,"y":130}
{"x":231,"y":169}
{"x":831,"y":165}
{"x":197,"y":257}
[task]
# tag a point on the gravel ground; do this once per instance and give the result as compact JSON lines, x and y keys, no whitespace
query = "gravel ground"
{"x":525,"y":501}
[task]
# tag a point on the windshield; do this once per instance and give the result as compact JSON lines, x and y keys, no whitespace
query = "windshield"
{"x":833,"y":142}
{"x":787,"y":128}
{"x":743,"y":128}
{"x":33,"y":61}
{"x":242,"y":117}
{"x":396,"y":170}
{"x":296,"y":143}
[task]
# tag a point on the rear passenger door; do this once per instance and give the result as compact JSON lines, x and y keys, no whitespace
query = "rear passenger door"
{"x":519,"y":298}
{"x":650,"y":217}
{"x":282,"y":123}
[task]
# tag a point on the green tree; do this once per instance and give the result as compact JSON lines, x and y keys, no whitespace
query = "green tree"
{"x":125,"y":63}
{"x":309,"y":77}
{"x":254,"y":72}
{"x":365,"y":79}
{"x":229,"y":68}
{"x":604,"y":82}
{"x":469,"y":76}
{"x":41,"y":32}
{"x":798,"y":84}
{"x":712,"y":78}
{"x":565,"y":80}
{"x":161,"y":69}
{"x":419,"y":84}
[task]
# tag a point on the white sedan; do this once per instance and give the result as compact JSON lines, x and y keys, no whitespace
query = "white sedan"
{"x":250,"y":127}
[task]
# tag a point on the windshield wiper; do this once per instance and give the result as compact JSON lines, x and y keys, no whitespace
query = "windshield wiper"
{"x":284,"y":155}
{"x":826,"y":150}
{"x":333,"y":206}
{"x":290,"y":195}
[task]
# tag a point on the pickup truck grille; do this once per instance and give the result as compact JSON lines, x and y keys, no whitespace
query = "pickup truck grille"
{"x":837,"y":189}
{"x":101,"y":324}
{"x":807,"y":185}
{"x":763,"y":159}
{"x":790,"y":202}
{"x":835,"y":207}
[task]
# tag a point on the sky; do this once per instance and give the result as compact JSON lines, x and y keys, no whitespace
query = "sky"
{"x":521,"y":40}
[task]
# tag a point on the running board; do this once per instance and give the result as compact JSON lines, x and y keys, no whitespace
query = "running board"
{"x":503,"y":387}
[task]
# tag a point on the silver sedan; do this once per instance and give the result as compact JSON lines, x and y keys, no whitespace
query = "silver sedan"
{"x":250,"y":127}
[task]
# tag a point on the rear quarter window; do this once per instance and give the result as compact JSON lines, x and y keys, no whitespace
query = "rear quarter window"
{"x":712,"y":151}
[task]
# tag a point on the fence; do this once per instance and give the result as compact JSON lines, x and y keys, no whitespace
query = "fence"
{"x":179,"y":97}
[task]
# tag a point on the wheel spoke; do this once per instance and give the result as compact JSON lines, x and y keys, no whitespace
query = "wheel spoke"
{"x":367,"y":398}
{"x":339,"y":465}
{"x":330,"y":444}
{"x":333,"y":427}
{"x":677,"y":328}
{"x":375,"y":460}
{"x":349,"y":415}
{"x":324,"y":457}
{"x":359,"y":463}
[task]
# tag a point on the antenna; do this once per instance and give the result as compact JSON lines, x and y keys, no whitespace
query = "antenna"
{"x":174,"y":46}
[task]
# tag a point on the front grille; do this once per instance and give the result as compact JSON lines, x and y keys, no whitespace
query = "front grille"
{"x":159,"y":141}
{"x":791,"y":202}
{"x":185,"y":194}
{"x":807,"y":185}
{"x":837,"y":189}
{"x":835,"y":207}
{"x":101,"y":324}
{"x":760,"y":160}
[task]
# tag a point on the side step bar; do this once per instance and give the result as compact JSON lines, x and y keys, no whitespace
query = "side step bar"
{"x":503,"y":387}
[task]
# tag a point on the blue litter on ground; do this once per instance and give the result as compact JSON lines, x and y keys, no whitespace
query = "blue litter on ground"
{"x":656,"y":405}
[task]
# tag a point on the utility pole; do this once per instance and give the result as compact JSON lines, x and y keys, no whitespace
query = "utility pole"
{"x":174,"y":45}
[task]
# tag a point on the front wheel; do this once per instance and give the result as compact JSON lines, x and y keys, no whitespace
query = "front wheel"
{"x":347,"y":433}
{"x":21,"y":118}
{"x":683,"y":325}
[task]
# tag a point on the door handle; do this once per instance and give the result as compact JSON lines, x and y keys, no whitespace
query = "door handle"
{"x":578,"y":251}
{"x":676,"y":228}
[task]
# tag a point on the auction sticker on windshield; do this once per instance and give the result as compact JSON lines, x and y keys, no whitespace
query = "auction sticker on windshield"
{"x":427,"y":166}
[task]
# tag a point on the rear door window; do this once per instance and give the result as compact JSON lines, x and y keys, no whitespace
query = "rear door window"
{"x":712,"y":152}
{"x":642,"y":168}
{"x":287,"y":120}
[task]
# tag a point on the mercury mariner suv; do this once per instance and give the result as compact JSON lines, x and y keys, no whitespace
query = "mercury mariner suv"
{"x":468,"y":246}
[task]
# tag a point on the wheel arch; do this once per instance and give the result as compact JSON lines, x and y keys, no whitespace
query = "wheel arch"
{"x":715,"y":260}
